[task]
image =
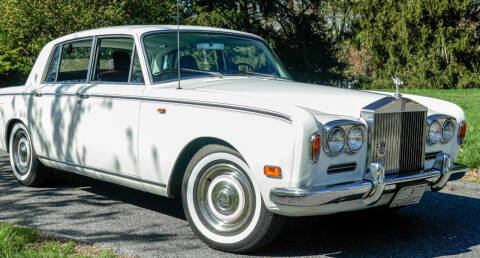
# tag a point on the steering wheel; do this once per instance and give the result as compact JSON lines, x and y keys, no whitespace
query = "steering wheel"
{"x":245,"y":64}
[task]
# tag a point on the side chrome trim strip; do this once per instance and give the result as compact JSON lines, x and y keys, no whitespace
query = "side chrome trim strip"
{"x":105,"y":172}
{"x":189,"y":102}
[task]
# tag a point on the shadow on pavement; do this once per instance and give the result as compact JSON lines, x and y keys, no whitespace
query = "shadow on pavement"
{"x":442,"y":224}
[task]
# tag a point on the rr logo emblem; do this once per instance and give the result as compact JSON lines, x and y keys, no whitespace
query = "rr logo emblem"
{"x":381,"y":148}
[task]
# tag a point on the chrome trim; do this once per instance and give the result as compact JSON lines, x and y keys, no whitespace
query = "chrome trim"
{"x":363,"y":139}
{"x":369,"y":190}
{"x":387,"y":105}
{"x":188,"y":102}
{"x":442,"y":163}
{"x":460,"y":141}
{"x":376,"y":176}
{"x":111,"y":173}
{"x":314,"y":158}
{"x":441,"y":119}
{"x":345,"y":125}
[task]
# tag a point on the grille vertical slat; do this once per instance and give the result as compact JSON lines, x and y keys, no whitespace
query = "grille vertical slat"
{"x":402,"y":134}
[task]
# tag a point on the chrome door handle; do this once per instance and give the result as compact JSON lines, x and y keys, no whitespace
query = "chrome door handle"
{"x":81,"y":95}
{"x":37,"y":94}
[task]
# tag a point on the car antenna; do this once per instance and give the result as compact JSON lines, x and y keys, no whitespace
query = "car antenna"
{"x":178,"y":45}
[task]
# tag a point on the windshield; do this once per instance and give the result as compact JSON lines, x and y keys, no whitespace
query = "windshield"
{"x":203,"y":54}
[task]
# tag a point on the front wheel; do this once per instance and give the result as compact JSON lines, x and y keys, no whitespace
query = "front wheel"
{"x":223,"y":205}
{"x":25,"y":164}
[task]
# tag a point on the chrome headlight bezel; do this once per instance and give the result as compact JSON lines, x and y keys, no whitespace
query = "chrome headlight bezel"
{"x":349,"y":144}
{"x":441,"y":120}
{"x":345,"y":126}
{"x":444,"y":125}
{"x":330,"y":135}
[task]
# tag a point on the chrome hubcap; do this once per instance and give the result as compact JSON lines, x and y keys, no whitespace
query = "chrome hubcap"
{"x":21,"y":152}
{"x":225,"y":199}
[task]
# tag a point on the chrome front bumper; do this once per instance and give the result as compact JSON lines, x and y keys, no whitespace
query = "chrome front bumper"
{"x":371,"y":188}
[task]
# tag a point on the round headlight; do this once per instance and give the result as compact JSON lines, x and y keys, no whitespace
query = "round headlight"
{"x":336,"y":140}
{"x":355,"y":138}
{"x":435,"y":132}
{"x":448,"y":129}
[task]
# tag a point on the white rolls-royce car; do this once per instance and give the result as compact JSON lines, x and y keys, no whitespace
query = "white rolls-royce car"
{"x":215,"y":119}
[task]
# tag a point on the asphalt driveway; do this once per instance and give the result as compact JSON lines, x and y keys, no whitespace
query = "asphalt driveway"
{"x":140,"y":224}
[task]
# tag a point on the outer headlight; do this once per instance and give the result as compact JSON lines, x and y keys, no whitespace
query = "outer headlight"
{"x":448,"y":130}
{"x":336,"y":140}
{"x":435,"y":132}
{"x":355,"y":139}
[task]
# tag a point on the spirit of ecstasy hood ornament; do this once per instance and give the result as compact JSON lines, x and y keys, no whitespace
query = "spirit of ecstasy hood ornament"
{"x":398,"y":82}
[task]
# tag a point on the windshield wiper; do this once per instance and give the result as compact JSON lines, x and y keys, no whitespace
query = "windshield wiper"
{"x":188,"y":70}
{"x":253,"y":74}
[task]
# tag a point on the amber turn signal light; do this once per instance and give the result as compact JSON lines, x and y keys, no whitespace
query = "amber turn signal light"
{"x":316,"y":147}
{"x":272,"y":171}
{"x":462,"y":132}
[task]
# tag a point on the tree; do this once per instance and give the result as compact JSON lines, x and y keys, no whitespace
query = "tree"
{"x":426,"y":42}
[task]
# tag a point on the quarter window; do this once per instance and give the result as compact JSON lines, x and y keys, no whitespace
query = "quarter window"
{"x":114,"y":57}
{"x":74,"y":61}
{"x":136,"y":76}
{"x":53,"y":68}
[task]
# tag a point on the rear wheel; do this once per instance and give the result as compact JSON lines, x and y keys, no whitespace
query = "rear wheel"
{"x":25,"y":164}
{"x":223,"y":205}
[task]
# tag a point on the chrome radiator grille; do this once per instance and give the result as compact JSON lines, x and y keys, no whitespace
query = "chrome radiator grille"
{"x":399,"y":141}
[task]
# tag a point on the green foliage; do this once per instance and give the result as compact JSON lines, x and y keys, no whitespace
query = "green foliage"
{"x":18,"y":241}
{"x":429,"y":43}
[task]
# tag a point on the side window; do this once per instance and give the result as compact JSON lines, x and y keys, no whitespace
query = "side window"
{"x":136,"y":76}
{"x":113,"y":60}
{"x":74,"y":61}
{"x":53,"y":68}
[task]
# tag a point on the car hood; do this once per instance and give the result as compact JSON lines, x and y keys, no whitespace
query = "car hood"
{"x":317,"y":99}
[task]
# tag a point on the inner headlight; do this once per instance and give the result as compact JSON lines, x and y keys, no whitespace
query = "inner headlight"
{"x":448,"y":129}
{"x":435,"y":132}
{"x":336,"y":140}
{"x":355,"y":138}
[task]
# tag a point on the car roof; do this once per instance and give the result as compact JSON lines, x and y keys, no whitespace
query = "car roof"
{"x":141,"y":29}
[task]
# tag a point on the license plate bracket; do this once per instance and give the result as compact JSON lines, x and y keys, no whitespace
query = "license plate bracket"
{"x":409,"y":195}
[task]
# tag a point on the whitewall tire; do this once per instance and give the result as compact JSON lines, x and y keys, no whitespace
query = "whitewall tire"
{"x":25,"y":164}
{"x":223,"y":205}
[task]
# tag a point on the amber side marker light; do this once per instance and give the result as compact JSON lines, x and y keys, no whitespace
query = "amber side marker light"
{"x":461,"y":133}
{"x":161,"y":110}
{"x":316,"y":147}
{"x":272,"y":171}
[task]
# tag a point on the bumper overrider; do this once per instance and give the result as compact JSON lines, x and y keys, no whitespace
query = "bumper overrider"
{"x":372,"y":187}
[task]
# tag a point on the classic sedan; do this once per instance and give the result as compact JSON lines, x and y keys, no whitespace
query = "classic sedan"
{"x":215,"y":119}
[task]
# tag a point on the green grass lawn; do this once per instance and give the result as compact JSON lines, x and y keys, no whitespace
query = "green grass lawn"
{"x":16,"y":241}
{"x":469,"y":101}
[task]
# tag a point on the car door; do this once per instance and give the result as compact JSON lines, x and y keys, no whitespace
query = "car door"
{"x":54,"y":112}
{"x":107,"y":135}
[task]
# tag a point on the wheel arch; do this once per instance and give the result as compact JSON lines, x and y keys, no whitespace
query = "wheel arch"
{"x":187,"y":153}
{"x":8,"y":130}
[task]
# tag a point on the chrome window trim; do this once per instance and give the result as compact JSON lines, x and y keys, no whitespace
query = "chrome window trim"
{"x":61,"y":44}
{"x":226,"y":33}
{"x":441,"y":118}
{"x":345,"y":125}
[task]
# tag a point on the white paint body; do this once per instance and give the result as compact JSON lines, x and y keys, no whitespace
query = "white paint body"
{"x":139,"y":146}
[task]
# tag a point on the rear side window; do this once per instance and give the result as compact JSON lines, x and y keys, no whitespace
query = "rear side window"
{"x":114,"y":59}
{"x":74,"y":61}
{"x":53,"y":68}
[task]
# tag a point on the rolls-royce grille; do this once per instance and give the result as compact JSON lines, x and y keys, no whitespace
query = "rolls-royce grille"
{"x":398,"y":141}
